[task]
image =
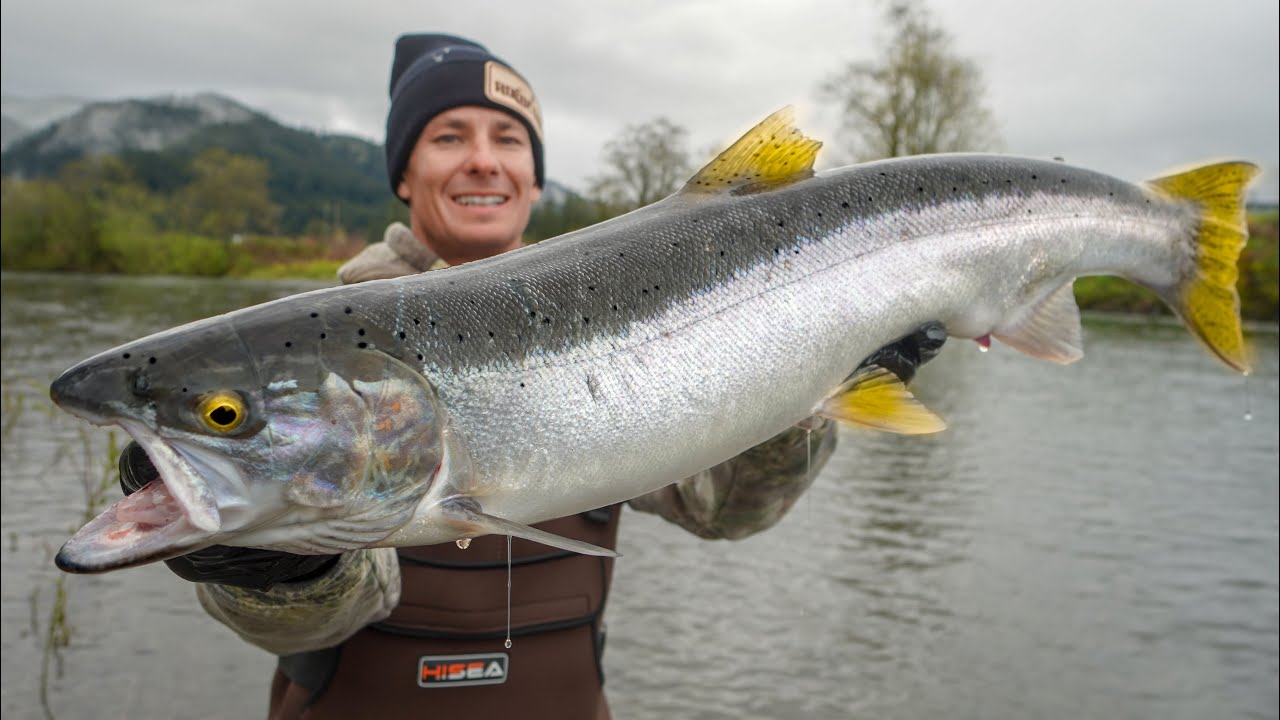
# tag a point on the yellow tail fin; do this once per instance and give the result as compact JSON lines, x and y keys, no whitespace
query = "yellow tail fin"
{"x":1207,"y":300}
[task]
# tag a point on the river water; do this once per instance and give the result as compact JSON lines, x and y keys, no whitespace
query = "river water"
{"x":1098,"y":540}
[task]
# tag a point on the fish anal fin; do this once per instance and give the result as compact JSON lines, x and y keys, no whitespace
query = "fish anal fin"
{"x":876,"y":398}
{"x":464,"y":513}
{"x":769,"y":155}
{"x":1048,"y":329}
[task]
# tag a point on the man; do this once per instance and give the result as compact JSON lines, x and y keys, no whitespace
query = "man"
{"x":420,"y":631}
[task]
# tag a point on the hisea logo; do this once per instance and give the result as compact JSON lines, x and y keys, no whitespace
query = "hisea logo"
{"x":459,"y":670}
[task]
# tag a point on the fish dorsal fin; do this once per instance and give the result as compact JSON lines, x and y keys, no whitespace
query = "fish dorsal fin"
{"x":876,"y":398}
{"x":771,"y":154}
{"x":1048,"y":329}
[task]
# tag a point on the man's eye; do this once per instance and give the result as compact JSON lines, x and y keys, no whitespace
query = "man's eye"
{"x":510,"y":140}
{"x":445,"y":139}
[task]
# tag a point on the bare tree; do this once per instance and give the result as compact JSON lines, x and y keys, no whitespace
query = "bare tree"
{"x":643,"y":164}
{"x":917,"y":97}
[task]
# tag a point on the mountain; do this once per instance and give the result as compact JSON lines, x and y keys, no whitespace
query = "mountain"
{"x":311,"y":176}
{"x":22,"y":115}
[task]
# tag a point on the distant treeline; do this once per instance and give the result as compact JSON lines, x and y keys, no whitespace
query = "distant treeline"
{"x":99,"y":215}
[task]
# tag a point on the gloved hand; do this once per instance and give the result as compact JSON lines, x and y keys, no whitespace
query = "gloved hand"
{"x":905,"y":356}
{"x":252,"y":568}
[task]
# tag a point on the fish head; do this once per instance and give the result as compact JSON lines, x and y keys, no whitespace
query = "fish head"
{"x":261,"y":439}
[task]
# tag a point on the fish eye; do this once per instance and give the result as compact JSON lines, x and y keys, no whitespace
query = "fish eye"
{"x":223,"y":411}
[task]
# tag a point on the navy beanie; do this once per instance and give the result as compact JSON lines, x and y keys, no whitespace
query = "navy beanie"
{"x":433,"y":73}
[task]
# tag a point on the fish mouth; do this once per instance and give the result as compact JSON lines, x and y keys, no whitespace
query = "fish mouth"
{"x":146,"y":526}
{"x":165,"y":518}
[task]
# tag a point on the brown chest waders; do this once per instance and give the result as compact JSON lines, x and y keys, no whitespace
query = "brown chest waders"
{"x":441,"y":652}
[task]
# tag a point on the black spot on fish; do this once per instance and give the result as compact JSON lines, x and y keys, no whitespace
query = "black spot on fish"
{"x":490,"y":333}
{"x":288,"y":343}
{"x":1033,"y":177}
{"x":360,"y":332}
{"x":315,"y":314}
{"x":126,"y":356}
{"x":460,"y":338}
{"x":322,"y":336}
{"x":844,"y":204}
{"x":362,"y":345}
{"x":920,"y":188}
{"x":780,"y":223}
{"x":347,"y":311}
{"x":420,"y":356}
{"x":415,"y":321}
{"x":402,"y":335}
{"x":184,"y":389}
{"x":152,"y":361}
{"x":586,"y":320}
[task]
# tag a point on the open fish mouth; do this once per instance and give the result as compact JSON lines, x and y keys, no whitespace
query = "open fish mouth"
{"x":146,"y":526}
{"x":165,"y":518}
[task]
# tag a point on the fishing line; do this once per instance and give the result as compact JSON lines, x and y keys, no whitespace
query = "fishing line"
{"x":507,"y":644}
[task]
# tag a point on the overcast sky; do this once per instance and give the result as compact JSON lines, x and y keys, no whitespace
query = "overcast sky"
{"x":1130,"y":88}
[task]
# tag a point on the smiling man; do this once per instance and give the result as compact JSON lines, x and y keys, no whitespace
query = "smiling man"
{"x":464,"y":152}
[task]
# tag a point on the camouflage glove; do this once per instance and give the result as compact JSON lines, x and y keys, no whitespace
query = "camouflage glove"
{"x":905,"y":356}
{"x":252,"y":568}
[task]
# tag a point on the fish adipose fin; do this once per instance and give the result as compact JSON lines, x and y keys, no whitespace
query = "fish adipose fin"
{"x":1207,"y":300}
{"x":465,"y":514}
{"x":771,"y":154}
{"x":876,"y":398}
{"x":1048,"y":329}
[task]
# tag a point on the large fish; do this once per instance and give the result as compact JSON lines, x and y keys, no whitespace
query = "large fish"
{"x":609,"y":362}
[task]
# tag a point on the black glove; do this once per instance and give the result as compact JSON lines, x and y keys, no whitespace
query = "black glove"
{"x":905,"y":356}
{"x":252,"y":568}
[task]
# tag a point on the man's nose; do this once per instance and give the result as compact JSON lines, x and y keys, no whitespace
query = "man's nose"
{"x":483,"y":160}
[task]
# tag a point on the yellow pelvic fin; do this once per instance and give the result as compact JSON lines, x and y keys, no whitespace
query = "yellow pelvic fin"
{"x":1207,"y":300}
{"x":875,"y":398}
{"x":771,"y":154}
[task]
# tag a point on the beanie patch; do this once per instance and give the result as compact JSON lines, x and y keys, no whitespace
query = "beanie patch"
{"x":504,"y":87}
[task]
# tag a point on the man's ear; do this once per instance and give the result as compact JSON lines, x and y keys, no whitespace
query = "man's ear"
{"x":536,"y":194}
{"x":402,"y":191}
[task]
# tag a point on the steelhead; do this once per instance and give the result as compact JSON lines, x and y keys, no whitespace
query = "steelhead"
{"x":606,"y":363}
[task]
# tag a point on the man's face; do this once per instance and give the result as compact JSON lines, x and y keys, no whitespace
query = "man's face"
{"x":470,"y":183}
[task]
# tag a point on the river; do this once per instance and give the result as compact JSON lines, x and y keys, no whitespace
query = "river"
{"x":1098,"y":540}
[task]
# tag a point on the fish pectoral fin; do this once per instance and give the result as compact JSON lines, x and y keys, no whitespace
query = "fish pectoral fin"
{"x":465,"y":514}
{"x":876,"y":398}
{"x":1048,"y":329}
{"x":771,"y":154}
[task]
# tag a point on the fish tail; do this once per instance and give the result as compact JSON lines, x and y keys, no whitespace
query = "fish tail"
{"x":1206,"y":299}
